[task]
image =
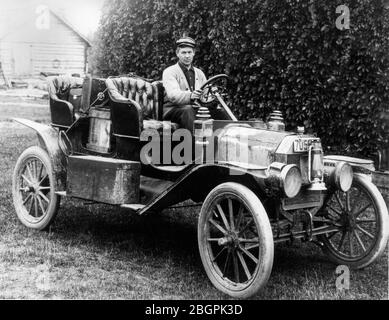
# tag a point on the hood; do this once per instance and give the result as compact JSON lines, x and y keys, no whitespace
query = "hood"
{"x":244,"y":144}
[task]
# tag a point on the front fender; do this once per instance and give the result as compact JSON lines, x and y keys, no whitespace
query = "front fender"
{"x":48,"y":140}
{"x":205,"y":177}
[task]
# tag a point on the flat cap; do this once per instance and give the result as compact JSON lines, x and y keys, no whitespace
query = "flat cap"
{"x":186,"y":42}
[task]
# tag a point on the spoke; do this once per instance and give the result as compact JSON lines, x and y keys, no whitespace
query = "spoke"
{"x":342,"y":240}
{"x":335,"y":210}
{"x":231,"y":211}
{"x":359,"y":240}
{"x":366,"y":220}
{"x":36,"y":207}
{"x":365,"y":232}
{"x":244,"y":265}
{"x":339,"y":201}
{"x":26,"y":179}
{"x":247,"y":225}
{"x":354,"y":200}
{"x":334,"y":233}
{"x":348,"y":207}
{"x":221,"y":212}
{"x":28,"y":198}
{"x":36,"y":163}
{"x":236,"y":268}
{"x":218,"y":226}
{"x":214,"y":259}
{"x":226,"y":262}
{"x":44,"y":197}
{"x":31,"y":205}
{"x":29,"y":171}
{"x":41,"y":205}
{"x":40,"y":172}
{"x":34,"y":169}
{"x":255,"y":245}
{"x":44,"y":188}
{"x":249,"y":254}
{"x":350,"y":238}
{"x":361,"y":210}
{"x":43,"y":179}
{"x":252,"y":240}
{"x":213,"y":239}
{"x":240,"y":214}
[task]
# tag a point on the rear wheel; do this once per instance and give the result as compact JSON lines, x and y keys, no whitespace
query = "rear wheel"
{"x":362,"y":217}
{"x":235,"y":240}
{"x":35,"y":201}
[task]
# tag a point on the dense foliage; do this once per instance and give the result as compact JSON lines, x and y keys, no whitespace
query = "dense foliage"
{"x":287,"y":54}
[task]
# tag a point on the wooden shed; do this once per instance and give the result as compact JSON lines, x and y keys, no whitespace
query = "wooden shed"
{"x":37,"y":39}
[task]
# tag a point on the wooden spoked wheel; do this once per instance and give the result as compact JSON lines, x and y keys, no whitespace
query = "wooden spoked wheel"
{"x":235,"y":240}
{"x":35,"y":201}
{"x":363,"y":222}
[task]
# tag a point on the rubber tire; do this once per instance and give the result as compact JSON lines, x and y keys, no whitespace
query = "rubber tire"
{"x":262,"y":222}
{"x":383,"y":222}
{"x":46,"y":220}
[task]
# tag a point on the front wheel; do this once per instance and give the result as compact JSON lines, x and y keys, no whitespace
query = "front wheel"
{"x":235,"y":240}
{"x":363,"y":224}
{"x":35,"y":201}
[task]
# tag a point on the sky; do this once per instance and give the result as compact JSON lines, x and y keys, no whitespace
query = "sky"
{"x":84,"y":15}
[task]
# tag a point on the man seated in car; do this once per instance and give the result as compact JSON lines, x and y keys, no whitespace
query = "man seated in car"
{"x":182,"y":83}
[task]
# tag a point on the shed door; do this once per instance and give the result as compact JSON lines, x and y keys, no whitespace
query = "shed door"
{"x":22,"y":59}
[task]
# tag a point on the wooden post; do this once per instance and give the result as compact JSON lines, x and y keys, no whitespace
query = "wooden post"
{"x":4,"y":77}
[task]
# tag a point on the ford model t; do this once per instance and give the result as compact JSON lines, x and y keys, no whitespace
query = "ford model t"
{"x":257,"y":184}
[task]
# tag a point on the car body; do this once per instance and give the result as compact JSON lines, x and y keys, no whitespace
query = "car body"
{"x":256,"y":183}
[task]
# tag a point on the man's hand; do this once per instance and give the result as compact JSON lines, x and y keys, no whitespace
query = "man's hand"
{"x":196,"y":95}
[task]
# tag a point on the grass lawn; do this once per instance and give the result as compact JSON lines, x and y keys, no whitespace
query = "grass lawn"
{"x":100,"y":252}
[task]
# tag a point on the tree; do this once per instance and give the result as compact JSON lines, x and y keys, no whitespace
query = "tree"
{"x":285,"y":54}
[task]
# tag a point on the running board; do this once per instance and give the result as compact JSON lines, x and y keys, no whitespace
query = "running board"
{"x":134,"y":206}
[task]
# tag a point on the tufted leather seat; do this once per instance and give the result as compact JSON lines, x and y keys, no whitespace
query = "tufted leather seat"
{"x":148,"y":96}
{"x":63,"y":107}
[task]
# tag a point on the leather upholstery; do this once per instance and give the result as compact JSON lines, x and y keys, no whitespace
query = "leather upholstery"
{"x":63,"y":113}
{"x":147,"y":96}
{"x":59,"y":87}
{"x":144,"y":93}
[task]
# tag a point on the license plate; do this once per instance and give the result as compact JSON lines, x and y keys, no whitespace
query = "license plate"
{"x":302,"y":144}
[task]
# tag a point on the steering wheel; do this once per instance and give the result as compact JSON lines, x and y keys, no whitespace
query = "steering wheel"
{"x":211,"y":87}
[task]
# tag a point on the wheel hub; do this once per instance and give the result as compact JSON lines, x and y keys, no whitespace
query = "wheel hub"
{"x":231,"y":239}
{"x":34,"y":188}
{"x":28,"y":189}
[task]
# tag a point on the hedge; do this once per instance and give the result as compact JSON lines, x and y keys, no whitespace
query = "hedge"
{"x":279,"y":54}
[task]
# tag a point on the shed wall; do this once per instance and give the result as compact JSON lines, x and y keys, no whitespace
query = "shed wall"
{"x":28,"y":51}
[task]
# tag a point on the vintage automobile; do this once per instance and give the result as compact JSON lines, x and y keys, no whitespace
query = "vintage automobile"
{"x":256,"y":183}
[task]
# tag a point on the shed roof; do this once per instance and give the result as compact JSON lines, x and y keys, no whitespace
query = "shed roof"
{"x":68,"y":24}
{"x":15,"y":19}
